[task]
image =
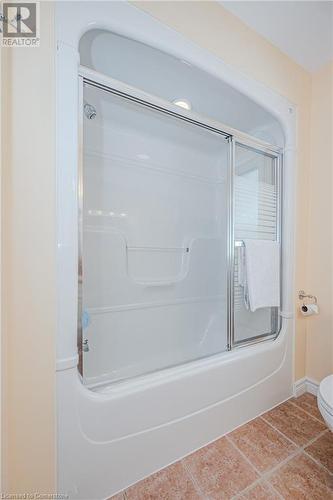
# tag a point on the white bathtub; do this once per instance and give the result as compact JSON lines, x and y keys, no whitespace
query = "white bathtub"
{"x":124,"y":432}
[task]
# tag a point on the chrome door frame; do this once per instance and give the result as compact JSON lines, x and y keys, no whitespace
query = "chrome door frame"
{"x":277,"y":156}
{"x":233,"y":136}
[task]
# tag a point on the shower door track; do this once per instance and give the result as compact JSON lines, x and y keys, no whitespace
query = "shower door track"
{"x":110,"y":85}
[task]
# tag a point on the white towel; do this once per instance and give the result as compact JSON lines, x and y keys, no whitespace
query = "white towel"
{"x":259,"y":273}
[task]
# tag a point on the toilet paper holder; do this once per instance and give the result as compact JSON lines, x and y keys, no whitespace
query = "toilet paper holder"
{"x":302,"y":295}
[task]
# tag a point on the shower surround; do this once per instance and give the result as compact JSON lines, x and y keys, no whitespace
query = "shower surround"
{"x":162,"y":357}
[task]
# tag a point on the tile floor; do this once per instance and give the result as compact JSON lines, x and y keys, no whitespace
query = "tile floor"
{"x":286,"y":453}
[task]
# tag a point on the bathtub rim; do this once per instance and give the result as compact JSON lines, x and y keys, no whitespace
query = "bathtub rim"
{"x":113,"y":390}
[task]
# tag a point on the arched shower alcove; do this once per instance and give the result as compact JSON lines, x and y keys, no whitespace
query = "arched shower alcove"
{"x":163,"y":195}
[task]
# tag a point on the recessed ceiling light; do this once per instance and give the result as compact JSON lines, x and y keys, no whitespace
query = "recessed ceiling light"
{"x":183,"y":103}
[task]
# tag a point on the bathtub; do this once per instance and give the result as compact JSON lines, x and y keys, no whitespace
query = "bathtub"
{"x":115,"y":436}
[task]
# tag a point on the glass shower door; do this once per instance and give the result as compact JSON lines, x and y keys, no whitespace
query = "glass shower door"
{"x":154,"y":239}
{"x":256,"y":217}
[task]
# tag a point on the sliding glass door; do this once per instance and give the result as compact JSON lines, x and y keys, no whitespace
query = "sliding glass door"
{"x":154,"y":239}
{"x":256,"y":217}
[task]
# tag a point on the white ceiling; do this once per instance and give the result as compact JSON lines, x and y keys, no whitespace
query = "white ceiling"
{"x":302,"y":30}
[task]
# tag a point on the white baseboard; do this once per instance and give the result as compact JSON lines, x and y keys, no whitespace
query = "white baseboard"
{"x":305,"y":385}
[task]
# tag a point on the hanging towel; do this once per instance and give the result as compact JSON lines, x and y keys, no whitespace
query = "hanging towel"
{"x":259,"y":273}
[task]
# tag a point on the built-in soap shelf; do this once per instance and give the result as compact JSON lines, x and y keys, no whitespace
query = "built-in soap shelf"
{"x":157,"y":266}
{"x":122,"y":264}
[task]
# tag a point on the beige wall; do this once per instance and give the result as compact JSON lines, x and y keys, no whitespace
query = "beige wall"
{"x":209,"y":25}
{"x":29,"y":219}
{"x":29,"y":264}
{"x":319,"y":347}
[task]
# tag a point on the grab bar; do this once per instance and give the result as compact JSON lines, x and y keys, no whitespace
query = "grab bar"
{"x":158,"y":249}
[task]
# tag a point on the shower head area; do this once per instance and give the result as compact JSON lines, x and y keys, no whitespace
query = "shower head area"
{"x":177,"y":81}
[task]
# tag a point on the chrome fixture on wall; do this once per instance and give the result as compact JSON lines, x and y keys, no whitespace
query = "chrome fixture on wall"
{"x":308,"y":308}
{"x":90,"y":111}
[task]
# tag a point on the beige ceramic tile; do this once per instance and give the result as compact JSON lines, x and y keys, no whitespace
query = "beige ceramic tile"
{"x":294,"y":423}
{"x":261,"y":491}
{"x":301,"y":478}
{"x":322,"y":450}
{"x":261,"y":444}
{"x":220,"y":470}
{"x":308,"y":402}
{"x":172,"y":483}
